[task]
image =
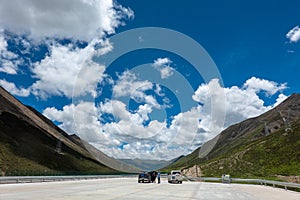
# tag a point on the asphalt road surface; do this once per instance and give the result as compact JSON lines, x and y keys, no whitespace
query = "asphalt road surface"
{"x":128,"y":188}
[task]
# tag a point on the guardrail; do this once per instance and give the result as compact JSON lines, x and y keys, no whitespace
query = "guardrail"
{"x":33,"y":179}
{"x":285,"y":185}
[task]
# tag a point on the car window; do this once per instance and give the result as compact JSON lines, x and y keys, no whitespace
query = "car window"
{"x":143,"y":175}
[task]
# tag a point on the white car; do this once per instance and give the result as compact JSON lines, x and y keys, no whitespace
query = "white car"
{"x":226,"y":178}
{"x":175,"y":177}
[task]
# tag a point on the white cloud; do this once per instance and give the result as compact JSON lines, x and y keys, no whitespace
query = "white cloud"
{"x":184,"y":127}
{"x":128,"y":85}
{"x":211,"y":119}
{"x":77,"y":19}
{"x":83,"y":119}
{"x":80,"y":119}
{"x":64,"y":67}
{"x":8,"y":67}
{"x":258,"y":85}
{"x":241,"y":103}
{"x":12,"y":88}
{"x":130,"y":124}
{"x":163,"y":66}
{"x":8,"y":60}
{"x":161,"y":62}
{"x":280,"y":99}
{"x":158,"y":90}
{"x":294,"y":34}
{"x":127,"y":136}
{"x":166,"y":72}
{"x":3,"y":43}
{"x":66,"y":70}
{"x":115,"y":107}
{"x":142,"y":141}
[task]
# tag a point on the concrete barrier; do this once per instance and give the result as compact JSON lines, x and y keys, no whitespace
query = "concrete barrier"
{"x":33,"y":179}
{"x":286,"y":185}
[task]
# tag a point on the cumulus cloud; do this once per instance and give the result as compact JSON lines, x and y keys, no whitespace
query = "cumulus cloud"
{"x":294,"y":34}
{"x":127,"y":123}
{"x":127,"y":136}
{"x":280,"y":99}
{"x":163,"y":66}
{"x":115,"y":107}
{"x":13,"y":89}
{"x":241,"y":102}
{"x":3,"y":43}
{"x":184,"y":126}
{"x":80,"y":119}
{"x":139,"y":141}
{"x":77,"y":19}
{"x":84,"y":120}
{"x":258,"y":85}
{"x":8,"y":60}
{"x":129,"y":85}
{"x":67,"y":67}
{"x":211,"y":118}
{"x":65,"y":70}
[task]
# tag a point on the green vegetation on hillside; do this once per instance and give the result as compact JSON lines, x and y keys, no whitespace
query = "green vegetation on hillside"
{"x":26,"y":150}
{"x":251,"y":156}
{"x":275,"y":154}
{"x":260,"y":147}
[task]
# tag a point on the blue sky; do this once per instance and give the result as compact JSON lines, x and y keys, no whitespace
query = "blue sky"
{"x":64,"y":59}
{"x":244,"y":38}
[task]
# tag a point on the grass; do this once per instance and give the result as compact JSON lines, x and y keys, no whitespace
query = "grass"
{"x":276,"y":154}
{"x":27,"y":150}
{"x":251,"y":156}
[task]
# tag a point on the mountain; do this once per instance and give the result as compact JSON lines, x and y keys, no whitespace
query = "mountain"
{"x":149,"y":165}
{"x":31,"y":144}
{"x":264,"y":146}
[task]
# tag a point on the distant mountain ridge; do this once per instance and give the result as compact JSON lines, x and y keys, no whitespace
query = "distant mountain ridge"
{"x":267,"y":145}
{"x":28,"y":141}
{"x":149,"y":165}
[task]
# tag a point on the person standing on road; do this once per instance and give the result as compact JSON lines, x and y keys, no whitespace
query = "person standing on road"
{"x":158,"y":177}
{"x":153,"y":176}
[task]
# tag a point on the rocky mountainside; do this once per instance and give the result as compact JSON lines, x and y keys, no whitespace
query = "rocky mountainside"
{"x":31,"y":144}
{"x":264,"y":146}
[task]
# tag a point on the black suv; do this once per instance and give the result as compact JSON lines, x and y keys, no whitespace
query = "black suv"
{"x":144,"y":177}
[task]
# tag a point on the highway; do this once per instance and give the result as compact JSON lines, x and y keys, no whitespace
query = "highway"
{"x":128,"y":188}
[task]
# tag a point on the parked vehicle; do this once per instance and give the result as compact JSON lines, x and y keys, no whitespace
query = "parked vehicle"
{"x":175,"y":177}
{"x":226,"y":178}
{"x":144,"y":177}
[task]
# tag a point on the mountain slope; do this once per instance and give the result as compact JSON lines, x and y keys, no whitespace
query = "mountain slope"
{"x":266,"y":145}
{"x":28,"y":141}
